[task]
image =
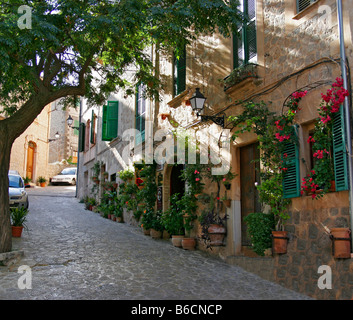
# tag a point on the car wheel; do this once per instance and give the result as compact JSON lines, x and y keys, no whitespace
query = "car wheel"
{"x":27,"y":205}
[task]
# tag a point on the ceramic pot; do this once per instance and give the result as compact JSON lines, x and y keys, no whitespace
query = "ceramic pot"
{"x":176,"y":240}
{"x":341,"y":242}
{"x":188,"y":243}
{"x":216,"y":234}
{"x":279,"y":241}
{"x":156,"y":234}
{"x":17,"y":231}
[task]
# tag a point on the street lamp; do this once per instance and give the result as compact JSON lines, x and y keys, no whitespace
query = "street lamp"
{"x":57,"y":136}
{"x":198,"y":102}
{"x":70,"y":122}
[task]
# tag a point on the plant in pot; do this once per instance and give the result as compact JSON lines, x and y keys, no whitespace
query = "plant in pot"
{"x":41,"y":180}
{"x":18,"y":218}
{"x":156,"y":225}
{"x":213,"y":225}
{"x":260,"y":226}
{"x":172,"y":220}
{"x":271,"y":194}
{"x":188,"y":204}
{"x":26,"y":181}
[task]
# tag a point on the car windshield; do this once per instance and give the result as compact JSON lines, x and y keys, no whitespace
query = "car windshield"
{"x":68,"y":171}
{"x":15,"y":182}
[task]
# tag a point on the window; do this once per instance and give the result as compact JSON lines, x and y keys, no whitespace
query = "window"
{"x":179,"y":78}
{"x":302,"y":4}
{"x":110,"y":121}
{"x":140,"y":112}
{"x":244,"y":45}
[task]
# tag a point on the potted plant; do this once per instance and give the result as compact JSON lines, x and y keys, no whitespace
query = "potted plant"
{"x":172,"y":220}
{"x":41,"y":180}
{"x":226,"y":201}
{"x":27,"y":181}
{"x":18,"y":218}
{"x":212,"y":224}
{"x":156,"y":226}
{"x":341,"y":242}
{"x":271,"y":193}
{"x":260,"y":226}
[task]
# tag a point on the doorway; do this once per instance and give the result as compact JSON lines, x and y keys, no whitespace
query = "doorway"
{"x":30,"y":160}
{"x":249,"y":174}
{"x":177,"y":185}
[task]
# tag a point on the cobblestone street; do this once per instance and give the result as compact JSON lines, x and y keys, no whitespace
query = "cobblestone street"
{"x":76,"y":254}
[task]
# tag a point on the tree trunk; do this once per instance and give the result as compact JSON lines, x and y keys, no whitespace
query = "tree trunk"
{"x":5,"y":223}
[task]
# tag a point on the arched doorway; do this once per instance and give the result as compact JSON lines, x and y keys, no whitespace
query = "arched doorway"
{"x":30,"y":159}
{"x":177,"y":185}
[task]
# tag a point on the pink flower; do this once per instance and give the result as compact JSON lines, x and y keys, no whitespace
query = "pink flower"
{"x":197,"y":179}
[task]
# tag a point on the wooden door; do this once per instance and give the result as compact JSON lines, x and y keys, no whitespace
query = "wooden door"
{"x":249,"y":174}
{"x":30,"y":160}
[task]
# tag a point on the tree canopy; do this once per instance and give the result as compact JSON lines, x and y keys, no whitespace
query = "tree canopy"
{"x":60,"y":49}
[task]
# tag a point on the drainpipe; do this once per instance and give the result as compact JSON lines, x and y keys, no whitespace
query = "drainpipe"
{"x":346,"y":108}
{"x":78,"y":151}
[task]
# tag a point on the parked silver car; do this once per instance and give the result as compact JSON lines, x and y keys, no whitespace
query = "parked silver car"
{"x":68,"y":175}
{"x":17,"y":192}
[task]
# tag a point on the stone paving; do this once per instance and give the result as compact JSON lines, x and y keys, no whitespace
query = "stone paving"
{"x":75,"y":254}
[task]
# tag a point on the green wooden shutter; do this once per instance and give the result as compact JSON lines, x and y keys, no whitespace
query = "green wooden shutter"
{"x":93,"y":128}
{"x":110,"y":121}
{"x":140,"y":114}
{"x":302,"y":4}
{"x":104,"y":123}
{"x":81,"y":140}
{"x":291,"y":179}
{"x":181,"y":67}
{"x":339,"y":150}
{"x":113,"y":117}
{"x":76,"y":125}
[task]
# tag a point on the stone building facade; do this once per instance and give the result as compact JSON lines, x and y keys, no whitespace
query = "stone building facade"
{"x":30,"y":151}
{"x":292,"y":49}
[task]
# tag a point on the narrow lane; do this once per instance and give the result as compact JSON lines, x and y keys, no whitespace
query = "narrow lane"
{"x":76,"y":254}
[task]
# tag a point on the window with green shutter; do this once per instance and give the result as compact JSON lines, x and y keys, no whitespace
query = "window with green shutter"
{"x":93,"y":128}
{"x":110,"y":120}
{"x":81,"y":139}
{"x":140,"y":113}
{"x":180,"y":73}
{"x":303,"y":4}
{"x":339,"y":150}
{"x":291,"y":179}
{"x":244,"y":45}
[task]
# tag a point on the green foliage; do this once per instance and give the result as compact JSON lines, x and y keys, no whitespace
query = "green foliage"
{"x":260,"y":226}
{"x":126,"y":174}
{"x":41,"y":179}
{"x":18,"y":216}
{"x":173,"y":217}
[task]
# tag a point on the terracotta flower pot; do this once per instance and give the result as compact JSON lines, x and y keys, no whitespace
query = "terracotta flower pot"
{"x":188,"y":243}
{"x":216,"y":234}
{"x":227,"y":203}
{"x":279,"y":241}
{"x":42,"y":184}
{"x":341,"y":242}
{"x":156,"y":234}
{"x":146,"y":232}
{"x":17,"y":231}
{"x":176,"y":240}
